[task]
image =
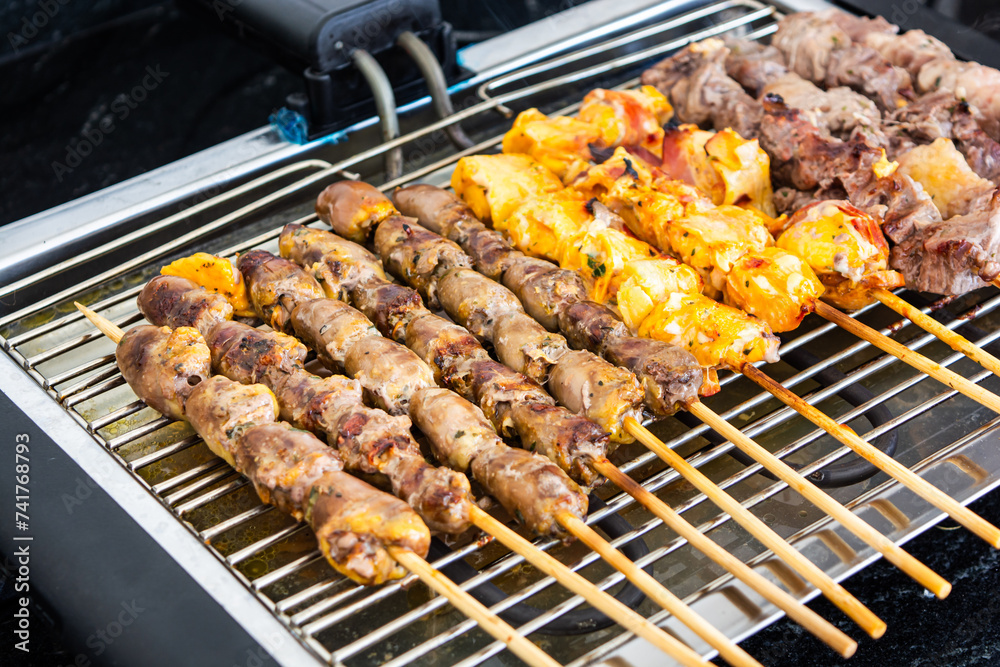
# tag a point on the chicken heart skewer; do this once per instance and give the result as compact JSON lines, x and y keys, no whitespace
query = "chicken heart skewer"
{"x":353,"y":207}
{"x":443,"y":211}
{"x":277,"y":293}
{"x":278,"y":285}
{"x":291,"y":469}
{"x":348,"y":271}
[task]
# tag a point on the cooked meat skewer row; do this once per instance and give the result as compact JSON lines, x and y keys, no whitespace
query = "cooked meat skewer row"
{"x":930,"y":63}
{"x":367,"y":535}
{"x":370,"y":440}
{"x":926,"y":490}
{"x":443,"y":210}
{"x":346,"y":203}
{"x":528,"y":485}
{"x":345,"y":268}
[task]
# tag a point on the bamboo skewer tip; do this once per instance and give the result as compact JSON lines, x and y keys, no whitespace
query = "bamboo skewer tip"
{"x":104,"y":325}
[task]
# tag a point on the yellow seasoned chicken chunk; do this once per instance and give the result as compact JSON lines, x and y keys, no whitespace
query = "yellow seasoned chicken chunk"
{"x":724,"y":165}
{"x":493,"y":185}
{"x":716,"y":334}
{"x":560,"y":143}
{"x":539,"y":224}
{"x":844,"y":247}
{"x":628,"y":117}
{"x":216,"y":274}
{"x":774,"y":285}
{"x":647,"y":282}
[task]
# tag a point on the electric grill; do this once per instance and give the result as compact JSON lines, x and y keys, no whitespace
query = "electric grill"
{"x":127,"y":507}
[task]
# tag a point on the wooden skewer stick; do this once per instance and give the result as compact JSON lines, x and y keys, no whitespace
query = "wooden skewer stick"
{"x":468,"y":605}
{"x":658,"y":593}
{"x":915,"y":359}
{"x":925,"y":576}
{"x":576,"y":583}
{"x":880,"y":459}
{"x":836,"y":593}
{"x":460,"y":599}
{"x":797,"y":611}
{"x":927,"y":323}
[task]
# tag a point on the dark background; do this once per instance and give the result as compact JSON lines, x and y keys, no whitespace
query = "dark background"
{"x":59,"y":81}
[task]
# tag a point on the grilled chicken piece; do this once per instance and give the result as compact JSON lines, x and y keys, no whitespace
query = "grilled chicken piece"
{"x":528,"y":485}
{"x":338,"y":265}
{"x":353,"y":522}
{"x":540,"y":224}
{"x":332,"y":329}
{"x":275,"y":286}
{"x":845,"y":248}
{"x":715,"y":334}
{"x":250,"y":355}
{"x":775,"y":286}
{"x":352,"y":210}
{"x":163,"y":366}
{"x":646,"y":281}
{"x":389,"y":372}
{"x":560,"y":143}
{"x":449,"y":350}
{"x":222,"y":409}
{"x":492,"y":184}
{"x":406,"y":247}
{"x":183,"y":303}
{"x":628,"y":117}
{"x":391,"y":307}
{"x":544,"y":289}
{"x":476,"y":302}
{"x":947,"y":178}
{"x":527,"y":346}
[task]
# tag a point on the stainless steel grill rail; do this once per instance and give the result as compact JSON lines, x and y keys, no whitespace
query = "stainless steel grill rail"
{"x":946,"y":437}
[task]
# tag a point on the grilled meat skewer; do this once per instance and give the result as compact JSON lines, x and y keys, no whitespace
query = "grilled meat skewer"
{"x":528,"y":485}
{"x":514,"y":404}
{"x":291,"y":469}
{"x":369,"y":440}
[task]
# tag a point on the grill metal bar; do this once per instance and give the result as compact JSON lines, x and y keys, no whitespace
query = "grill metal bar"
{"x":329,"y":600}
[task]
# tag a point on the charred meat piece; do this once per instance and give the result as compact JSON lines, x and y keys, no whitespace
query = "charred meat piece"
{"x":314,"y":403}
{"x":353,"y":522}
{"x":221,"y":410}
{"x":669,"y":376}
{"x":528,"y":485}
{"x":163,"y":366}
{"x":276,"y":285}
{"x":178,"y":302}
{"x":416,"y":255}
{"x":572,"y":441}
{"x":337,"y":264}
{"x":250,"y":355}
{"x":390,"y":307}
{"x":447,"y":348}
{"x":497,"y":389}
{"x":476,"y":302}
{"x":389,"y":372}
{"x":527,"y":346}
{"x":331,"y":328}
{"x":544,"y":289}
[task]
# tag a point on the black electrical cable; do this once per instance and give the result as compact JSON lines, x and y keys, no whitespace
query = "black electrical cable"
{"x":574,"y":622}
{"x":838,"y":474}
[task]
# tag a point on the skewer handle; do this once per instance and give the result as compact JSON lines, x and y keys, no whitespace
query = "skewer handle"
{"x":925,"y":576}
{"x":797,"y":611}
{"x":878,"y":458}
{"x":625,"y":617}
{"x":915,"y":359}
{"x":927,"y":323}
{"x":733,"y":654}
{"x":836,"y":593}
{"x":106,"y":326}
{"x":472,"y":608}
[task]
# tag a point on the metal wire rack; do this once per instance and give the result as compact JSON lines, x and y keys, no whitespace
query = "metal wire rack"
{"x":941,"y":433}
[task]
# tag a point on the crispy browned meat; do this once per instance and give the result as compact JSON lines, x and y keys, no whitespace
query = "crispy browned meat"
{"x":352,"y":521}
{"x":407,"y":248}
{"x":221,"y":409}
{"x":337,"y":264}
{"x":182,"y":303}
{"x":448,"y":349}
{"x":275,"y":286}
{"x":163,"y":366}
{"x":476,"y":302}
{"x":353,"y":209}
{"x":331,"y":328}
{"x":570,"y":440}
{"x":250,"y":355}
{"x":389,"y":306}
{"x":527,"y":484}
{"x":527,"y":346}
{"x":545,"y":290}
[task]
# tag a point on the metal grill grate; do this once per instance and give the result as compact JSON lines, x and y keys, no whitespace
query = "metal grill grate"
{"x":940,"y":434}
